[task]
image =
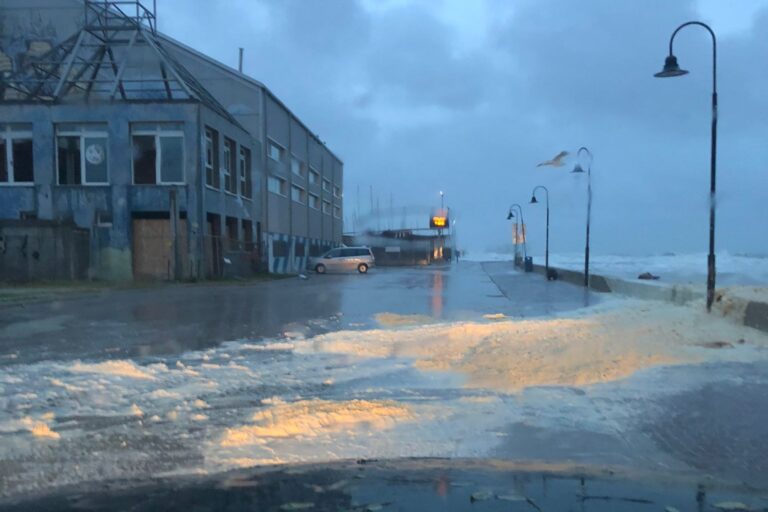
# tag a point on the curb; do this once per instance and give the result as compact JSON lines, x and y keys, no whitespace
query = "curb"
{"x":745,"y":312}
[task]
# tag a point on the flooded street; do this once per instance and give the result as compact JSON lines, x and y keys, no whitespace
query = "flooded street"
{"x":474,"y":361}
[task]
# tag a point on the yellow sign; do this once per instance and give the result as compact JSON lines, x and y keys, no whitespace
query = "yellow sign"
{"x":438,"y":222}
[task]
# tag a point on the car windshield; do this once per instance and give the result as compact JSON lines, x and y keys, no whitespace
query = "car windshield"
{"x":383,"y":255}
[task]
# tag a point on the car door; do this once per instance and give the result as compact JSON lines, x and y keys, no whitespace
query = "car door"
{"x":332,"y":260}
{"x":348,"y":259}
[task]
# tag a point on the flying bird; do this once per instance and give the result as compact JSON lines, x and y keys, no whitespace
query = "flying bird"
{"x":555,"y":162}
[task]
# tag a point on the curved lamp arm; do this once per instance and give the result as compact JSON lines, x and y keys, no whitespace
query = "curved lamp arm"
{"x":584,"y":149}
{"x":545,"y":190}
{"x":714,"y":47}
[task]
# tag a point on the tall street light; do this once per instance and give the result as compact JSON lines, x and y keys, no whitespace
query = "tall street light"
{"x":534,"y":201}
{"x":442,"y":212}
{"x":579,"y":169}
{"x":511,"y":216}
{"x":672,"y":69}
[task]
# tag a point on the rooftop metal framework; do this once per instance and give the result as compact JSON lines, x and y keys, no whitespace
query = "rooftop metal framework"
{"x":115,"y":56}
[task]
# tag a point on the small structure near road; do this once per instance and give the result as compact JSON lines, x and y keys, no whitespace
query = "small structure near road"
{"x":405,"y":247}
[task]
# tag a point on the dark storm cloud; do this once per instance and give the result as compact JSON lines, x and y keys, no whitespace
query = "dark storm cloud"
{"x":412,"y":111}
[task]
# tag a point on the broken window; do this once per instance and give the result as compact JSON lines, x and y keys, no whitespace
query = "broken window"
{"x":158,"y":154}
{"x":246,"y":188}
{"x":16,"y":154}
{"x":81,"y":154}
{"x":212,"y":158}
{"x":144,"y":160}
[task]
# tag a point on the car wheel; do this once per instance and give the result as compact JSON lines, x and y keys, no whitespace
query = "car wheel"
{"x":320,"y":269}
{"x":362,"y":268}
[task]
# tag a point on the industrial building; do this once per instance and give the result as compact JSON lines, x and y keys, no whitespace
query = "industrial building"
{"x":126,"y":154}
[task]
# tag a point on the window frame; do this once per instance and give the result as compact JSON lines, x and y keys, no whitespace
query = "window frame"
{"x":336,"y":191}
{"x":302,"y":191}
{"x":336,"y":208}
{"x":327,"y":182}
{"x":158,"y":133}
{"x":214,"y":166}
{"x":324,"y":207}
{"x":244,"y":171}
{"x":302,"y":167}
{"x":281,"y":182}
{"x":82,"y":134}
{"x":228,"y":173}
{"x":314,"y":172}
{"x":280,"y":147}
{"x":8,"y":134}
{"x":309,"y":202}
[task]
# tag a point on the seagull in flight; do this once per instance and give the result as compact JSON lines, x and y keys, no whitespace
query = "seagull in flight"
{"x":555,"y":162}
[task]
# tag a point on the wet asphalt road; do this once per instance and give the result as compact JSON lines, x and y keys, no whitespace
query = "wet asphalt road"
{"x":705,"y":419}
{"x":408,"y":485}
{"x":174,"y":319}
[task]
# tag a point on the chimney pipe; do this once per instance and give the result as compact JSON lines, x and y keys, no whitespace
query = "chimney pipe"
{"x":240,"y":65}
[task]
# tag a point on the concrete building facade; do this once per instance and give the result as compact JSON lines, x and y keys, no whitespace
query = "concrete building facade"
{"x":177,"y":165}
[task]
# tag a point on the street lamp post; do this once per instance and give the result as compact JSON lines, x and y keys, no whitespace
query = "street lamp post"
{"x":442,"y":237}
{"x":511,"y":216}
{"x":546,"y":249}
{"x":672,"y":69}
{"x":579,"y":169}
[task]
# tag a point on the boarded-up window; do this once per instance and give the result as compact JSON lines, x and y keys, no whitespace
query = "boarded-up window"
{"x":279,"y":248}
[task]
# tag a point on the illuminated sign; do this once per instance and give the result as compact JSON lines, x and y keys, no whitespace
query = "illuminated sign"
{"x":439,"y":218}
{"x":438,"y":222}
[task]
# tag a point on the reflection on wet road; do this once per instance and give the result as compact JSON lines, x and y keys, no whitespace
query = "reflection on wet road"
{"x":174,"y":319}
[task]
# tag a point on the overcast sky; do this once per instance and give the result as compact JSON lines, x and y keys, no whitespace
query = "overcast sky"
{"x":467,"y":96}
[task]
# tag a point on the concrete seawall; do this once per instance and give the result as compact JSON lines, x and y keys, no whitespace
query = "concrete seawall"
{"x":752,"y":313}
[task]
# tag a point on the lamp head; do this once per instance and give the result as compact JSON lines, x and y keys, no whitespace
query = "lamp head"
{"x":578,"y":168}
{"x":671,"y":68}
{"x":533,"y":199}
{"x":510,"y":215}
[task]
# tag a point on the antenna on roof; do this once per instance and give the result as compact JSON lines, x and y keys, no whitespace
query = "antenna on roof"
{"x":240,"y":64}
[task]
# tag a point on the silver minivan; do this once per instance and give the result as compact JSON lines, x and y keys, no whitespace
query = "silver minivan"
{"x":344,"y":259}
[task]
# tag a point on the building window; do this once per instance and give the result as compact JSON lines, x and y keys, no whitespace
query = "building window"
{"x":81,"y":154}
{"x":337,"y":191}
{"x":298,"y":167}
{"x":275,"y":152}
{"x":314,"y":201}
{"x":230,"y":164}
{"x":244,"y":165}
{"x":298,"y":194}
{"x":158,"y":154}
{"x":326,"y":185}
{"x":314,"y":177}
{"x":277,"y":185}
{"x":337,"y":211}
{"x":212,"y":158}
{"x":16,"y":155}
{"x":327,"y":207}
